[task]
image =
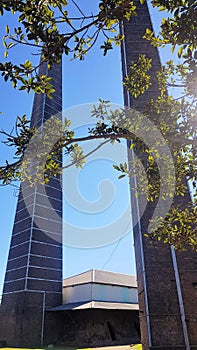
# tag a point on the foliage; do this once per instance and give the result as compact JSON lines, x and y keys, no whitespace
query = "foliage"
{"x":179,"y":228}
{"x":138,"y":81}
{"x":180,"y":27}
{"x":48,"y":28}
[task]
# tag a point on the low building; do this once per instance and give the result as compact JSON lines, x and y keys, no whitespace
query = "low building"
{"x":99,"y":308}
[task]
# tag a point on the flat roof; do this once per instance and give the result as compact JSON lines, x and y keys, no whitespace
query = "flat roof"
{"x":102,"y":277}
{"x":95,"y":305}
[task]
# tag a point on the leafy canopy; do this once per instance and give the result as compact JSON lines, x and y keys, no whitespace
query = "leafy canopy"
{"x":48,"y":27}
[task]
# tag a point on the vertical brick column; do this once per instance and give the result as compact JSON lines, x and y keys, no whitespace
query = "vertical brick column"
{"x":162,"y":320}
{"x":33,"y":279}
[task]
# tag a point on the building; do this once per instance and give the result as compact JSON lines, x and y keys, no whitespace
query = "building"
{"x":99,"y":308}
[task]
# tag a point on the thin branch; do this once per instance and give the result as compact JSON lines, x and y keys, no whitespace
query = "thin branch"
{"x":81,"y":18}
{"x":10,"y":184}
{"x":3,"y":132}
{"x":86,"y":155}
{"x":95,"y":36}
{"x":181,"y":97}
{"x":127,"y":135}
{"x":175,"y":85}
{"x":79,"y":9}
{"x":62,"y":12}
{"x":26,"y":43}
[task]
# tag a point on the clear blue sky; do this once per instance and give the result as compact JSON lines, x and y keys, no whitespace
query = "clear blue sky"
{"x":83,"y":82}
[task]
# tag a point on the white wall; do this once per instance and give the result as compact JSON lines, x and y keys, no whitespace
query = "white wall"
{"x":78,"y":293}
{"x":99,"y":292}
{"x":120,"y":294}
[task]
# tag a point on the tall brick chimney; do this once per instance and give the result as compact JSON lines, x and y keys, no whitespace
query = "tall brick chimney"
{"x":33,"y":279}
{"x":166,"y":279}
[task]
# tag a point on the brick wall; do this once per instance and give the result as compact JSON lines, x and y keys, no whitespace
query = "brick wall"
{"x":34,"y":269}
{"x":159,"y":311}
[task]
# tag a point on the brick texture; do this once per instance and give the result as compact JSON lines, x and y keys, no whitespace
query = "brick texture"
{"x":33,"y":279}
{"x":159,"y":309}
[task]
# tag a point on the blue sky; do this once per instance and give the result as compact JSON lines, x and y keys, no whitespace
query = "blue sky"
{"x":83,"y":83}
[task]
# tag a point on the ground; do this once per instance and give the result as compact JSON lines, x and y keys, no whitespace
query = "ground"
{"x":128,"y":347}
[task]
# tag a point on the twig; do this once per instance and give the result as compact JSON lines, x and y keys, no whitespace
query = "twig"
{"x":77,"y":6}
{"x":86,"y":155}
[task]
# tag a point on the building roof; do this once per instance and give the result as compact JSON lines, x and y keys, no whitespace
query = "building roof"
{"x":96,"y":305}
{"x":102,"y":277}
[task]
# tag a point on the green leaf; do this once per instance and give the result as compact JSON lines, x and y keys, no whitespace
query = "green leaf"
{"x":132,"y":146}
{"x":121,"y":176}
{"x":180,"y":51}
{"x":116,"y":167}
{"x":7,"y":29}
{"x":10,"y":45}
